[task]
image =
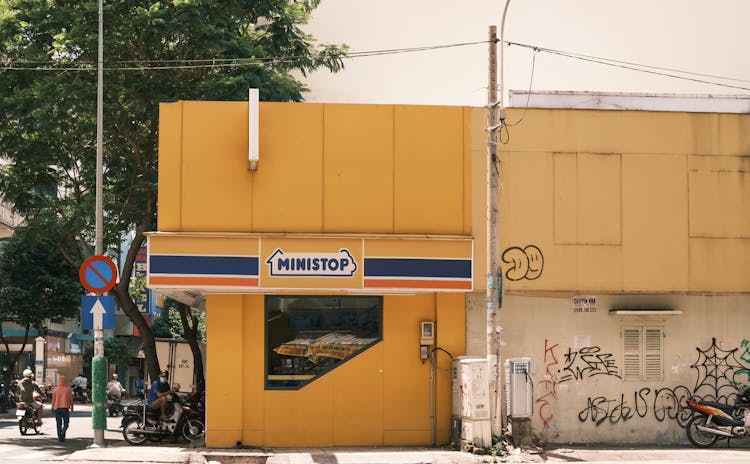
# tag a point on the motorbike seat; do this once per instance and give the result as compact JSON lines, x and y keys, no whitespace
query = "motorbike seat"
{"x":727,"y":408}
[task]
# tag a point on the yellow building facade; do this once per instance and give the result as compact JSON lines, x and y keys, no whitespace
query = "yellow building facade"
{"x":623,"y":247}
{"x":351,"y":206}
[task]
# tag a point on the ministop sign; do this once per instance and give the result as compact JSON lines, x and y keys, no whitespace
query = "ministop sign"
{"x":98,"y":274}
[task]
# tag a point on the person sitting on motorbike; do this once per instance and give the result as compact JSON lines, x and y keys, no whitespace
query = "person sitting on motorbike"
{"x":80,"y":382}
{"x":115,"y":390}
{"x":158,"y":393}
{"x":26,"y":389}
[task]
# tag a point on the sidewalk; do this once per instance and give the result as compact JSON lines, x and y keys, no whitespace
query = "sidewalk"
{"x":404,"y":455}
{"x":358,"y":455}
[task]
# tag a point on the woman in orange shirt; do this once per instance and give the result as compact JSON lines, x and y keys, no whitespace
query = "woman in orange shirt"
{"x":62,"y":405}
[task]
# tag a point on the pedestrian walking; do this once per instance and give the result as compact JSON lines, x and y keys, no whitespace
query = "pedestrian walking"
{"x":62,"y":404}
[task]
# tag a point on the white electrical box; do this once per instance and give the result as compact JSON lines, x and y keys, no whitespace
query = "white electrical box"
{"x":518,"y":387}
{"x":427,"y":333}
{"x":471,"y":400}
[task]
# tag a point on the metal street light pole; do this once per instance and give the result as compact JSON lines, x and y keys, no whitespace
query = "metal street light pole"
{"x":98,"y":371}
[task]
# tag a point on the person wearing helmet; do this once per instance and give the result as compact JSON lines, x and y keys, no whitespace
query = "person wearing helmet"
{"x":157,"y":395}
{"x":115,"y":388}
{"x":81,"y":381}
{"x":26,"y":389}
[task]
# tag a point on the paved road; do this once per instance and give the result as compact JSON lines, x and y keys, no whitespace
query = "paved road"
{"x":15,"y":448}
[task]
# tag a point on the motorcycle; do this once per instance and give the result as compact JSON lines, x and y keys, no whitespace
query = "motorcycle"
{"x":26,"y":416}
{"x":141,"y":423}
{"x":716,"y":421}
{"x":114,"y":405}
{"x":81,"y":394}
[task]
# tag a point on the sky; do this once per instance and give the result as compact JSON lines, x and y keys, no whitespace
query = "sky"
{"x":700,"y":36}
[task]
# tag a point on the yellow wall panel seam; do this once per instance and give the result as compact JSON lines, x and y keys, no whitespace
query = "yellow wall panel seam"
{"x":180,"y":167}
{"x":393,"y":163}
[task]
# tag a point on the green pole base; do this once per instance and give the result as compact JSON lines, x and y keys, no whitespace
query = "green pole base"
{"x":98,"y":392}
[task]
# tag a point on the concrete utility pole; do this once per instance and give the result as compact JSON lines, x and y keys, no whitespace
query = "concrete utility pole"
{"x":493,"y":331}
{"x":99,"y":363}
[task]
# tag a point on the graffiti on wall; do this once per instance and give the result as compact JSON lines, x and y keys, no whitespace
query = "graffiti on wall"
{"x":718,"y":373}
{"x":524,"y":263}
{"x":588,"y":361}
{"x":661,"y":403}
{"x":548,"y":384}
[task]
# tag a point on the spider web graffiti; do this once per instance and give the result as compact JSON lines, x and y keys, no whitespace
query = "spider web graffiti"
{"x":719,"y":373}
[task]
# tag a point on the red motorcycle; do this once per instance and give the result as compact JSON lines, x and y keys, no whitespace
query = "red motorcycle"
{"x":716,"y":421}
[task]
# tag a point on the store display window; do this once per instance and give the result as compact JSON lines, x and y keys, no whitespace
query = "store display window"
{"x":307,"y":336}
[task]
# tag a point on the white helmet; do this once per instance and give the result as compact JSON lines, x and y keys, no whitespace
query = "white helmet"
{"x":27,"y":373}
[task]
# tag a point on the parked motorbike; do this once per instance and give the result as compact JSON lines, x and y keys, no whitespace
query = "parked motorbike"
{"x":25,"y":415}
{"x":141,"y":423}
{"x":716,"y":421}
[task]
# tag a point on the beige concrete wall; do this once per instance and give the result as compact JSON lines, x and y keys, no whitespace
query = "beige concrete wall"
{"x":580,"y":393}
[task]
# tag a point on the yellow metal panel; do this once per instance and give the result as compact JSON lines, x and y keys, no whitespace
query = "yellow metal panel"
{"x":214,"y":166}
{"x":428,"y":170}
{"x":301,"y":245}
{"x":450,"y":336}
{"x":526,"y":225}
{"x":719,"y":193}
{"x":526,"y":201}
{"x":599,"y":199}
{"x":473,"y":131}
{"x":719,"y":265}
{"x":406,"y":378}
{"x":170,"y":166}
{"x":479,"y":194}
{"x":224,"y":329}
{"x":358,"y":402}
{"x":542,"y":130}
{"x":407,"y":437}
{"x":301,"y":417}
{"x":596,"y":131}
{"x":566,"y":198}
{"x":655,"y":219}
{"x":287,"y":190}
{"x":358,"y":168}
{"x":253,"y":370}
{"x":216,"y":245}
{"x":421,"y":248}
{"x":650,"y":132}
{"x":600,"y":268}
{"x":734,"y":134}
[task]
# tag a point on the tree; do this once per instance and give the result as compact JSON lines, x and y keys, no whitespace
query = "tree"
{"x":155,"y":51}
{"x":36,"y":284}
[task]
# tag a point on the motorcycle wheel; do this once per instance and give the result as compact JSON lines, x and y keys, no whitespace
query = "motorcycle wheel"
{"x":131,"y":435}
{"x":699,"y":438}
{"x":193,"y":430}
{"x":22,"y":428}
{"x":37,"y":428}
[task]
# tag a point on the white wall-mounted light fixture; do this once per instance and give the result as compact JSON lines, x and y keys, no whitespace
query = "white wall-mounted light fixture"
{"x":252,"y":129}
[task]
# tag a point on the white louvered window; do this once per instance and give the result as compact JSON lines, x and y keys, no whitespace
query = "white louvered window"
{"x":643,"y":353}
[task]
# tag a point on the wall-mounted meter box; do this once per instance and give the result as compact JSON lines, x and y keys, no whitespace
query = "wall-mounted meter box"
{"x":427,"y":333}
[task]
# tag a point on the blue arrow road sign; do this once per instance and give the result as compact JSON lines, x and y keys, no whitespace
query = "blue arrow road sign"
{"x":97,"y":310}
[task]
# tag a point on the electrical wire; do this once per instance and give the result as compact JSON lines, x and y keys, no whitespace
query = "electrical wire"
{"x":153,"y":65}
{"x":528,"y":97}
{"x":537,"y":48}
{"x":632,"y":66}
